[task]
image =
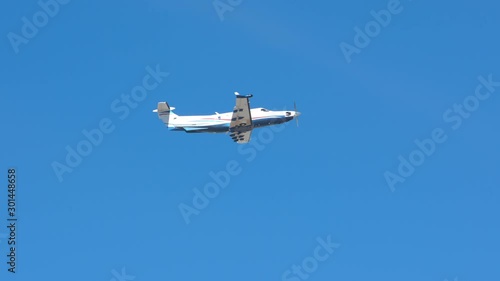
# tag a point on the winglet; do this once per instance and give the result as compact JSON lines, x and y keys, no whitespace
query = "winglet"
{"x":242,"y":96}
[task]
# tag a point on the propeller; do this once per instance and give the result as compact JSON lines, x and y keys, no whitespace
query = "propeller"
{"x":295,"y":108}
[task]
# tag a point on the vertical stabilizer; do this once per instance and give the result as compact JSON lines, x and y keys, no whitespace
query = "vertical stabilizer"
{"x":165,"y":113}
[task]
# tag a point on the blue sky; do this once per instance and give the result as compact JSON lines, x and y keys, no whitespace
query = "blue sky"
{"x":324,"y":181}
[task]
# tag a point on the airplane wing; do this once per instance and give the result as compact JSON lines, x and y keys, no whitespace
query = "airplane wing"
{"x":241,"y":137}
{"x":242,"y":118}
{"x":241,"y":123}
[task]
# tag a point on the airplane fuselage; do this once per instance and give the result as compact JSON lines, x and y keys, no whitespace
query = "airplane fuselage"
{"x":220,"y":123}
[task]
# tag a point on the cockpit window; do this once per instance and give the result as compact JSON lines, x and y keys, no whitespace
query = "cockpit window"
{"x":263,"y":109}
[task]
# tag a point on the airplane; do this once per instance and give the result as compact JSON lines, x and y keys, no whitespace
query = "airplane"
{"x":238,"y":124}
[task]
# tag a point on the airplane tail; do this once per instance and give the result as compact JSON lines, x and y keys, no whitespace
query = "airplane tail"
{"x":165,"y":113}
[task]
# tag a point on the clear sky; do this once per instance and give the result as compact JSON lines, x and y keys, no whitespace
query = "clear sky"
{"x":392,"y":174}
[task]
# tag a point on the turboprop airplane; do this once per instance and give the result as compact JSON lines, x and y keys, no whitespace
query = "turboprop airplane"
{"x":238,"y":124}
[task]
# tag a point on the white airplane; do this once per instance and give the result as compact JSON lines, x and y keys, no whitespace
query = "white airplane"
{"x":239,"y":123}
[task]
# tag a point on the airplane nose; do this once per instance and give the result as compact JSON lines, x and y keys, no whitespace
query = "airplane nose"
{"x":297,"y":114}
